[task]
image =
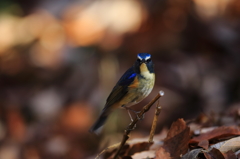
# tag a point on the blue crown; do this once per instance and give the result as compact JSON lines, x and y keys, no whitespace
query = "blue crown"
{"x":144,"y":56}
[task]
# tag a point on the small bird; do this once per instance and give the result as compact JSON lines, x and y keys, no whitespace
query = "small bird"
{"x":134,"y":85}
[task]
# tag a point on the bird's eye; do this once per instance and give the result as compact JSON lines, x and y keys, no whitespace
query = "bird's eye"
{"x":138,"y":60}
{"x":148,"y":60}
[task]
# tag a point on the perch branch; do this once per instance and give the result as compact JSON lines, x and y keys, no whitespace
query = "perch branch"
{"x":133,"y":123}
{"x":106,"y":149}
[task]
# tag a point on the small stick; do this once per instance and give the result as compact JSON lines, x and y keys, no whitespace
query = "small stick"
{"x":106,"y":149}
{"x":154,"y":124}
{"x":132,"y":124}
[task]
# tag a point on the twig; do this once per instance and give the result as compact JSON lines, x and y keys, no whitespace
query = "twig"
{"x":137,"y":118}
{"x":106,"y":149}
{"x":154,"y":124}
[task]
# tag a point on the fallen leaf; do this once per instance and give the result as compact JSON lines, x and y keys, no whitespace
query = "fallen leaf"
{"x":176,"y":128}
{"x":162,"y":154}
{"x":207,"y":155}
{"x":230,"y":155}
{"x":138,"y":148}
{"x":144,"y":154}
{"x":204,"y":144}
{"x":217,"y":133}
{"x":214,"y":154}
{"x":176,"y":142}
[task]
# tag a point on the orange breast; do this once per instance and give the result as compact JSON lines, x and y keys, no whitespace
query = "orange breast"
{"x":135,"y":83}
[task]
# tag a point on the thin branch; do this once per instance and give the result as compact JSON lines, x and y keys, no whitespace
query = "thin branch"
{"x":133,"y":123}
{"x":154,"y":124}
{"x":106,"y":149}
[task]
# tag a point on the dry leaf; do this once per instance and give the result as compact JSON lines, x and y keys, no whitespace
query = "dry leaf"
{"x":207,"y":156}
{"x":230,"y":155}
{"x":176,"y":128}
{"x":177,"y":139}
{"x":214,"y":154}
{"x":204,"y":144}
{"x":144,"y":154}
{"x":162,"y":154}
{"x":218,"y":133}
{"x":138,"y":147}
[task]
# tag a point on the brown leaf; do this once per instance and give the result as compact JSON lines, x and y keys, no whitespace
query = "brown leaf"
{"x":218,"y":133}
{"x":138,"y":148}
{"x":162,"y":154}
{"x":230,"y":155}
{"x":207,"y":155}
{"x":176,"y":127}
{"x":176,"y":142}
{"x":204,"y":144}
{"x":144,"y":154}
{"x":214,"y":154}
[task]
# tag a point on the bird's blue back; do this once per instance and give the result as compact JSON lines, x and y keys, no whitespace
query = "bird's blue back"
{"x":121,"y":88}
{"x":127,"y":78}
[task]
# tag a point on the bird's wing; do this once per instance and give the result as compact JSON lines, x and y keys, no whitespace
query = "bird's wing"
{"x":121,"y":88}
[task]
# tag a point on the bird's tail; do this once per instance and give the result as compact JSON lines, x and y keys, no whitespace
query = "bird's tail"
{"x":99,"y":123}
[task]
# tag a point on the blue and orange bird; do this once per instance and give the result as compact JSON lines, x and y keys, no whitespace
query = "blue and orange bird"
{"x":134,"y":85}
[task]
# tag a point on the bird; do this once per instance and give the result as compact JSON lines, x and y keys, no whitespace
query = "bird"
{"x":134,"y":85}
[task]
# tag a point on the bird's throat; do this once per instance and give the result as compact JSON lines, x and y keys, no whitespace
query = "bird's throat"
{"x":145,"y":72}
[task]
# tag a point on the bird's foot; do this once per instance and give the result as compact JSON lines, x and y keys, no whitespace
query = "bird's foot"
{"x":135,"y":112}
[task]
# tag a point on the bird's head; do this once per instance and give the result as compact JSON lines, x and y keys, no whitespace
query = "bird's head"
{"x":144,"y":63}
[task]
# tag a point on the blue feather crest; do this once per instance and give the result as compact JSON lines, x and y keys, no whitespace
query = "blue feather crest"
{"x":144,"y":56}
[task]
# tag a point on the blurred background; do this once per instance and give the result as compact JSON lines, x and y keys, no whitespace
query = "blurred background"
{"x":59,"y":60}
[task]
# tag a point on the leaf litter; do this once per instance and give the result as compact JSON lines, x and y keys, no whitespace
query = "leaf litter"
{"x":204,"y":140}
